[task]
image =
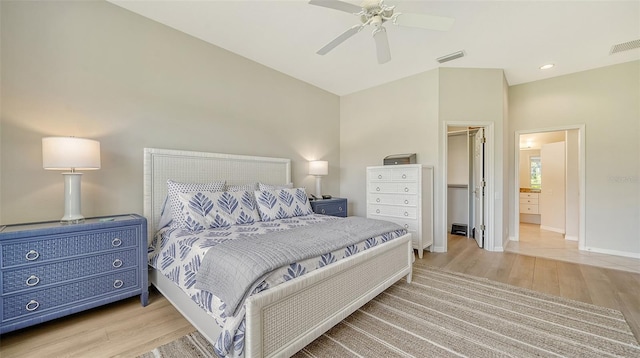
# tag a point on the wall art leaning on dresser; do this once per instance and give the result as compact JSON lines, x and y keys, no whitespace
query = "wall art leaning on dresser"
{"x":403,"y":194}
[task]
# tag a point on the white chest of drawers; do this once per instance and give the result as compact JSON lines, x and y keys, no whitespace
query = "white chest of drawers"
{"x":403,"y":194}
{"x":529,"y":203}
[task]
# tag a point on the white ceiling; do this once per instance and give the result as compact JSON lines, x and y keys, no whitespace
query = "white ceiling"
{"x":517,"y":36}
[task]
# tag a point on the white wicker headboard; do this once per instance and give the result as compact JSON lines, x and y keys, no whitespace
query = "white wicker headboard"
{"x":201,"y":167}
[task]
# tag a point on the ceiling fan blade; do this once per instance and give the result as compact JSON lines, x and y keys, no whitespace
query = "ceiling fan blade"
{"x":337,"y":5}
{"x":423,"y":21}
{"x":382,"y":45}
{"x":340,"y":39}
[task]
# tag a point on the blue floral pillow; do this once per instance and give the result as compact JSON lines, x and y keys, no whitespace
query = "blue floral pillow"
{"x":174,"y":188}
{"x":282,"y":203}
{"x":210,"y":210}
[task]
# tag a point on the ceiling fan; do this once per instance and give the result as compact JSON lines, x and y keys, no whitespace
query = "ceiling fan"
{"x":376,"y":13}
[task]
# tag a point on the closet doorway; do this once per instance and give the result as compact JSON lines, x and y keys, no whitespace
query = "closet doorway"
{"x":467,"y":183}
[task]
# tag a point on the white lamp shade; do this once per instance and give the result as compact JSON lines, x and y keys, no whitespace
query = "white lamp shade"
{"x":319,"y":167}
{"x":66,"y":153}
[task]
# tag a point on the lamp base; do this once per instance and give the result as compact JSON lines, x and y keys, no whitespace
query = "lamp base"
{"x":318,"y":186}
{"x":72,"y":199}
{"x":64,"y":221}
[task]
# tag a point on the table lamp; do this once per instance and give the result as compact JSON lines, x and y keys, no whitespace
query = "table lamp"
{"x":71,"y":153}
{"x":318,"y":168}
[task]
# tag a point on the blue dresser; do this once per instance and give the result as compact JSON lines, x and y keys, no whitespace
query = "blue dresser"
{"x":49,"y":270}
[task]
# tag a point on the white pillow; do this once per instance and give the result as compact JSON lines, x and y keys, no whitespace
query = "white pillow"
{"x":165,"y":214}
{"x":263,"y":186}
{"x":242,"y":187}
{"x":210,"y":210}
{"x":175,"y":188}
{"x":282,"y":203}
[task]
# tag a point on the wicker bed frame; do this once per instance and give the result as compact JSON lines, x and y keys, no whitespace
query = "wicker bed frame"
{"x":284,"y":319}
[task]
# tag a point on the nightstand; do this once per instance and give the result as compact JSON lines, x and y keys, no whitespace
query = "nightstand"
{"x":333,"y":207}
{"x":50,"y":270}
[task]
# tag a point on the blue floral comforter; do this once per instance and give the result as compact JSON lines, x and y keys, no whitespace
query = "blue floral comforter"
{"x":178,"y":253}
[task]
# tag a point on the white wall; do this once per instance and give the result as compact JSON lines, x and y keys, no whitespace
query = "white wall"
{"x":605,"y":100}
{"x":92,"y":69}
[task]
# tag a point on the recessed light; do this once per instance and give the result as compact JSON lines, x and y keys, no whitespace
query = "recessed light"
{"x":547,"y":66}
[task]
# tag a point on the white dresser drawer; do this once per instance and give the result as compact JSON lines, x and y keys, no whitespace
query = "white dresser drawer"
{"x":393,"y":199}
{"x":529,"y":195}
{"x":394,"y":174}
{"x":528,"y":201}
{"x":394,"y":211}
{"x":394,"y":188}
{"x":528,"y":209}
{"x":409,"y":225}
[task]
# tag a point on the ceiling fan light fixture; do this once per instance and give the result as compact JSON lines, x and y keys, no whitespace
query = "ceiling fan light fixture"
{"x":450,"y":57}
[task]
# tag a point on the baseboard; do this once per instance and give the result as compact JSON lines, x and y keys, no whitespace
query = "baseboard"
{"x":571,"y":238}
{"x":554,"y":229}
{"x":613,"y":252}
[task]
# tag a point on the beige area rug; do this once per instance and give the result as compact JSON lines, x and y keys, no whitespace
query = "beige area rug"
{"x":446,"y":314}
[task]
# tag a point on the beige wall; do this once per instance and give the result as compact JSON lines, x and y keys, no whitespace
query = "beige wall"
{"x":95,"y":70}
{"x":605,"y":100}
{"x":394,"y":118}
{"x":410,"y":116}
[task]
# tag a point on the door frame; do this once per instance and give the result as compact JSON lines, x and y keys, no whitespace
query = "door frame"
{"x":581,"y":179}
{"x":440,"y":241}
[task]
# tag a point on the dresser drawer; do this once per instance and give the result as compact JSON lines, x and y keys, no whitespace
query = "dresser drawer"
{"x":333,"y":207}
{"x":39,"y":302}
{"x":36,"y":276}
{"x":529,"y":195}
{"x":396,"y":188}
{"x":529,"y":209}
{"x":395,"y":174}
{"x":64,"y":245}
{"x":393,"y":199}
{"x":406,"y":212}
{"x":528,"y":201}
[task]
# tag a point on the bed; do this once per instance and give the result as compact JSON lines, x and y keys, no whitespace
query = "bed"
{"x":283,"y":319}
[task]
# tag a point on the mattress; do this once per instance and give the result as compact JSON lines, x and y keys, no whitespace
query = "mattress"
{"x":178,"y":253}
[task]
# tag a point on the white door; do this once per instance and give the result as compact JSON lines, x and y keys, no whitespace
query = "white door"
{"x":479,"y":187}
{"x":552,"y":196}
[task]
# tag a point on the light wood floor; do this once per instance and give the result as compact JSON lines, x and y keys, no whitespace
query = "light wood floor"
{"x":125,"y":329}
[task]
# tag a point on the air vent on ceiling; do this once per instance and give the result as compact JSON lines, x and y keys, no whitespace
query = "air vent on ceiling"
{"x":625,"y":46}
{"x":450,"y":57}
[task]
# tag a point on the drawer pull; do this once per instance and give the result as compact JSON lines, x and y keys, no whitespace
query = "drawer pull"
{"x":32,"y":255}
{"x":406,"y":226}
{"x":32,"y":281}
{"x":117,"y":283}
{"x":406,"y":213}
{"x":406,"y":201}
{"x":339,"y":208}
{"x":404,"y":176}
{"x":116,"y":242}
{"x":377,"y":200}
{"x":117,"y":263}
{"x":377,"y":211}
{"x":379,"y":176}
{"x":406,"y":190}
{"x":377,"y":188}
{"x":322,"y":210}
{"x":32,"y":305}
